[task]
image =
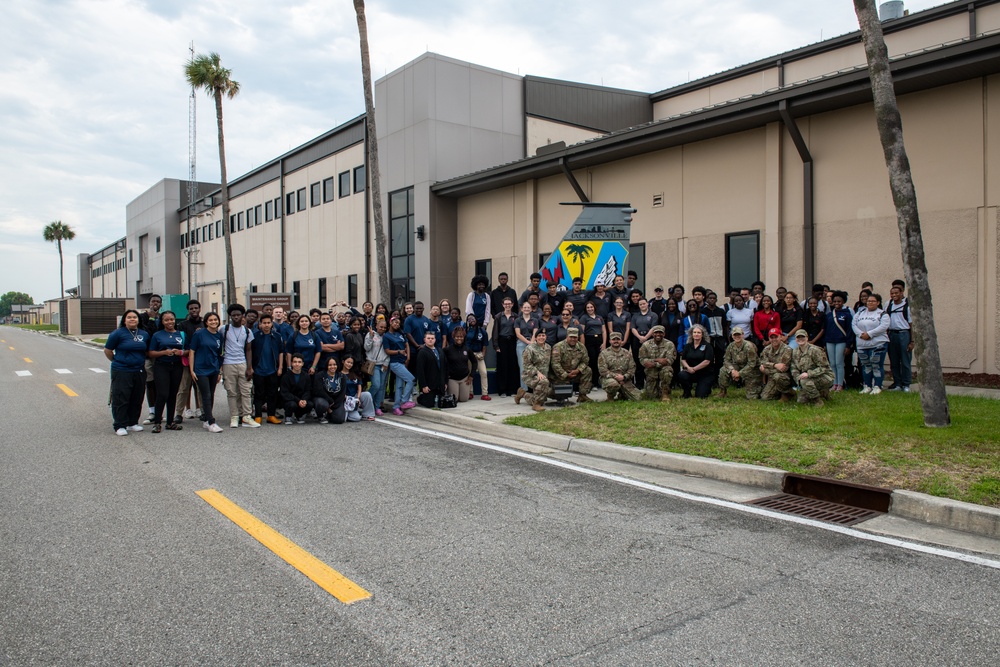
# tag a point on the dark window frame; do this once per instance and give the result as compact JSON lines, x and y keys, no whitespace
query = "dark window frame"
{"x":268,"y":210}
{"x":352,"y":289}
{"x":315,"y":194}
{"x":729,"y":237}
{"x":344,"y":183}
{"x":290,"y":203}
{"x":360,"y":179}
{"x":329,"y":191}
{"x":300,"y":199}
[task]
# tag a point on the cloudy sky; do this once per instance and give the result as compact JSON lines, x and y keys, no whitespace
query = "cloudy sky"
{"x":94,"y":107}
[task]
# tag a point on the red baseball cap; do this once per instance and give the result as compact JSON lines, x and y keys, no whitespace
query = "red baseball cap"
{"x":775,"y":331}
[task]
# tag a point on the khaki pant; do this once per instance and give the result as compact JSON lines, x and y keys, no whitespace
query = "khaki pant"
{"x":461,"y":389}
{"x":484,"y":381}
{"x":184,"y":393}
{"x":239,"y":390}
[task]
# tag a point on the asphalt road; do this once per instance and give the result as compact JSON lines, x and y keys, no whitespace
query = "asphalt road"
{"x":473,"y":557}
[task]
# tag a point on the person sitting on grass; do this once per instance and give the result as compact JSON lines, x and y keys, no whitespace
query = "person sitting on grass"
{"x":657,"y":356}
{"x":811,"y":369}
{"x":775,"y":366}
{"x":740,"y":365}
{"x":295,"y":390}
{"x":617,"y":369}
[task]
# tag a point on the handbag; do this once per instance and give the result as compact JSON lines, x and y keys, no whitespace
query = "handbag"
{"x":368,"y":367}
{"x":448,"y":401}
{"x":350,"y":403}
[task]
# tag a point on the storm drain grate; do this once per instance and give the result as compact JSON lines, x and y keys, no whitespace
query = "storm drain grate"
{"x":820,"y":510}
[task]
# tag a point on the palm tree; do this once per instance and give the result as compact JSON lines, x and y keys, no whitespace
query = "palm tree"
{"x":207,"y":72}
{"x":890,"y":129}
{"x":56,"y":232}
{"x":381,"y":264}
{"x":579,"y":252}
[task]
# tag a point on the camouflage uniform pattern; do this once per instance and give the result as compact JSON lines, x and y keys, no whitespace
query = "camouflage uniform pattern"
{"x":778,"y":382}
{"x":742,"y":356}
{"x":812,"y":360}
{"x":612,"y":362}
{"x":565,"y":359}
{"x":536,"y":360}
{"x":659,"y":377}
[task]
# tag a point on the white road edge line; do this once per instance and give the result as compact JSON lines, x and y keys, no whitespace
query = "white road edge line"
{"x":748,"y":509}
{"x":97,"y":370}
{"x":63,"y":371}
{"x":22,"y":374}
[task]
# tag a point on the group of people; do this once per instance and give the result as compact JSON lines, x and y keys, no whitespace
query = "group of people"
{"x":339,"y":365}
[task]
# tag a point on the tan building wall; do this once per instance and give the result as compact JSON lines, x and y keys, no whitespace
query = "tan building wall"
{"x":108,"y":272}
{"x":541,"y":132}
{"x":753,"y":180}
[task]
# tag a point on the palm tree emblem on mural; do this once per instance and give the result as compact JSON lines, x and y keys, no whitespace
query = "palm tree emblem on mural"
{"x":579,"y":252}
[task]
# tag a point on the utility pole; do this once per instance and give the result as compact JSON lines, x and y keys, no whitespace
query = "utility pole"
{"x":192,"y":174}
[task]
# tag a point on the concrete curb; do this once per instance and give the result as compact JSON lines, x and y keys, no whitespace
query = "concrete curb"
{"x":941,"y":512}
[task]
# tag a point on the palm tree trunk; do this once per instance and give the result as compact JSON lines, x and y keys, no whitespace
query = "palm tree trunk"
{"x":381,"y":264}
{"x":890,"y":129}
{"x":230,"y":295}
{"x":62,"y":287}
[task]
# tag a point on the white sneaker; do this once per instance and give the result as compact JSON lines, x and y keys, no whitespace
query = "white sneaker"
{"x":149,"y":420}
{"x":135,"y":428}
{"x":197,"y":412}
{"x":866,"y":390}
{"x":214,"y":428}
{"x":234,"y":422}
{"x":906,"y":390}
{"x":121,"y":431}
{"x":876,"y":391}
{"x":205,"y":425}
{"x":248,"y":421}
{"x":189,"y":414}
{"x":288,"y":421}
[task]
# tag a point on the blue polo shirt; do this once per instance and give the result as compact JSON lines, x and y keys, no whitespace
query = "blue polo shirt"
{"x":396,"y":342}
{"x":129,"y":348}
{"x":208,"y":350}
{"x":167,"y":340}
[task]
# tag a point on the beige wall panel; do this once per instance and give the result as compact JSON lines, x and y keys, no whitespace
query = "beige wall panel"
{"x":929,"y":34}
{"x":706,"y":263}
{"x":792,"y":271}
{"x":824,"y":63}
{"x":552,"y":219}
{"x":696,"y":99}
{"x":751,"y":84}
{"x":486,"y":228}
{"x":661,"y":264}
{"x":636,"y":181}
{"x":544,"y":132}
{"x":724,"y":183}
{"x":992,"y":140}
{"x":987,"y":18}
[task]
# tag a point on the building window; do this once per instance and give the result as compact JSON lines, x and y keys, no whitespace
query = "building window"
{"x":359,"y":179}
{"x":742,"y":259}
{"x":183,"y":240}
{"x":636,"y":261}
{"x":256,"y":215}
{"x":401,"y":247}
{"x":250,"y":218}
{"x":290,"y":203}
{"x":542,"y":258}
{"x":192,"y":239}
{"x":300,"y":197}
{"x":322,"y":293}
{"x":209,"y":228}
{"x":218,"y":229}
{"x":296,"y":295}
{"x":232,"y":224}
{"x":274,"y":288}
{"x":345,"y":183}
{"x":484,"y":267}
{"x":268,"y":211}
{"x":314,"y":194}
{"x":253,"y":289}
{"x":352,"y":289}
{"x":157,"y":244}
{"x":328,"y":189}
{"x":277,"y":207}
{"x":206,"y":233}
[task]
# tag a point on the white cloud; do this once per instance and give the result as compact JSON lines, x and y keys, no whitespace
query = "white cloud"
{"x":94,"y":105}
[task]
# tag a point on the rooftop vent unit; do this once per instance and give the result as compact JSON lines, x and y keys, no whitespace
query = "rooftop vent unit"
{"x":890,"y":10}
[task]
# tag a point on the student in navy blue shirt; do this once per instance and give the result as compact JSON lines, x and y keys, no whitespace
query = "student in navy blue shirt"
{"x":396,"y":348}
{"x":415,"y":327}
{"x":205,"y":361}
{"x":304,"y":342}
{"x":166,"y":348}
{"x":455,"y":322}
{"x":126,"y":350}
{"x":477,"y":341}
{"x":268,"y":364}
{"x":331,"y":340}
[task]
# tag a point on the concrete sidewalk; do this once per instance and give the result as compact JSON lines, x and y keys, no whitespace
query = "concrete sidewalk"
{"x":914,"y":516}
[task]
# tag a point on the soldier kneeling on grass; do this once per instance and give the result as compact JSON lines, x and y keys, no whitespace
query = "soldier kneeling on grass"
{"x":535,"y":372}
{"x":571,"y":364}
{"x":811,"y":369}
{"x":657,"y":357}
{"x":617,"y":370}
{"x":740,"y":365}
{"x":775,"y":366}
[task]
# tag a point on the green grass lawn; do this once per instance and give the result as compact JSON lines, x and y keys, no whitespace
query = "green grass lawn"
{"x":880,"y":441}
{"x":102,"y":341}
{"x":37,"y":327}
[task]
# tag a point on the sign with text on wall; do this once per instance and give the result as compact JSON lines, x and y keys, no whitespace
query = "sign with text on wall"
{"x":256,"y":300}
{"x":594,"y":249}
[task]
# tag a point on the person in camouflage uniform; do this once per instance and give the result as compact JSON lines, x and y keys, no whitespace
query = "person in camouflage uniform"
{"x":571,"y":364}
{"x":775,"y":366}
{"x":811,"y":369}
{"x":617,"y":368}
{"x":740,"y":363}
{"x":535,"y":373}
{"x":657,"y":357}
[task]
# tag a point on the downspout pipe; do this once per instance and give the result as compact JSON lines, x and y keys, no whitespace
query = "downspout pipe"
{"x":808,"y":221}
{"x":564,"y":163}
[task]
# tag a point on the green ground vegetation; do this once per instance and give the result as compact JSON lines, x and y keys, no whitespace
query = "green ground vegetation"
{"x":37,"y":327}
{"x":875,"y":440}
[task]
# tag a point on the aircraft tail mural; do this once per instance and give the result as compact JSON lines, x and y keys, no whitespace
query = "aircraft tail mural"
{"x":594,"y":249}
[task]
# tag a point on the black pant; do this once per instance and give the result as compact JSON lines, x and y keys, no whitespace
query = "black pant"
{"x":127,"y":390}
{"x":640,"y":372}
{"x":335,"y":413}
{"x":265,"y":392}
{"x":593,"y":345}
{"x":167,"y":378}
{"x":702,"y":381}
{"x":292,"y":408}
{"x":508,"y":370}
{"x":206,"y":388}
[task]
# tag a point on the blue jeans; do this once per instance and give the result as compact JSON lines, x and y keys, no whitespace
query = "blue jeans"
{"x":404,"y":383}
{"x":872,"y":360}
{"x":835,"y":353}
{"x":520,"y":362}
{"x":900,"y":358}
{"x":377,"y":388}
